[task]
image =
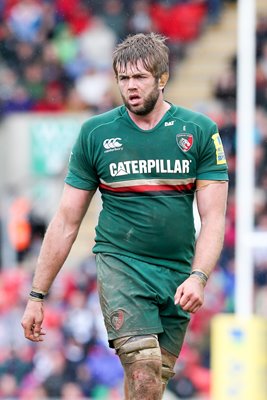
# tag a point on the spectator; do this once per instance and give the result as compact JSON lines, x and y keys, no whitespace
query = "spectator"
{"x":19,"y":101}
{"x":226,"y":88}
{"x":25,"y":20}
{"x":96,"y":45}
{"x":33,"y":80}
{"x":8,"y":387}
{"x":93,"y":88}
{"x":53,"y":99}
{"x":140,"y":20}
{"x":8,"y":84}
{"x":113,"y":14}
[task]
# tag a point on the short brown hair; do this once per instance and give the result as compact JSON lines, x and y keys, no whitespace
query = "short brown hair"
{"x":149,"y":48}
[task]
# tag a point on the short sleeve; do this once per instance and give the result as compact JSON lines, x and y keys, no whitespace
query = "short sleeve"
{"x":212,"y":163}
{"x":81,"y":172}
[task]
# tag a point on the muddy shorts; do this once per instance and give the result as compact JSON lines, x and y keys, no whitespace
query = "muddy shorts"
{"x":137,"y":298}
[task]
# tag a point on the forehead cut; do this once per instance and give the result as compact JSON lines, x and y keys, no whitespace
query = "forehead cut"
{"x":139,"y":50}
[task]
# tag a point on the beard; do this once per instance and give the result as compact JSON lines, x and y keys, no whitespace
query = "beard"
{"x":148,"y":106}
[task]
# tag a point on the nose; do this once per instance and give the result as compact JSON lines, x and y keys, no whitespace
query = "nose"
{"x":131,"y":83}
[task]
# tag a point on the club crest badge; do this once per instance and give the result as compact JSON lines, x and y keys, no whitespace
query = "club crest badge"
{"x":184,"y":141}
{"x":117,"y":319}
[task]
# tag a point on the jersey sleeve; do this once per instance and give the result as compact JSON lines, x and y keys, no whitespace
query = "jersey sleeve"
{"x":81,"y":172}
{"x":212,"y":163}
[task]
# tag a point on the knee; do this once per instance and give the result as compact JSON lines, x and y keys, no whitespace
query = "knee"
{"x":147,"y":372}
{"x":144,"y":380}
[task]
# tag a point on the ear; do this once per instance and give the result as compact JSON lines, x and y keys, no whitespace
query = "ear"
{"x":163,"y":80}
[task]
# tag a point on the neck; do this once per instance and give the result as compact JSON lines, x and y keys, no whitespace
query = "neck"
{"x":150,"y":120}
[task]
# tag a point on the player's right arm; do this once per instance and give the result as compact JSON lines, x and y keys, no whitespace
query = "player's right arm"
{"x":59,"y":238}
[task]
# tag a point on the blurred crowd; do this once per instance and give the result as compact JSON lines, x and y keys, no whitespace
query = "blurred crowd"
{"x":55,"y":56}
{"x":74,"y":361}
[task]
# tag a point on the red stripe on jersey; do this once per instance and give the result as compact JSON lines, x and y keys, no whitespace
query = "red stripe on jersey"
{"x":148,"y":188}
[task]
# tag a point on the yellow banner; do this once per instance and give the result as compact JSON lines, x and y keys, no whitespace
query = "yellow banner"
{"x":239,"y":358}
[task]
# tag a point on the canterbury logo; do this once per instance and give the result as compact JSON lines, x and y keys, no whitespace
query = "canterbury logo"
{"x":112,"y":143}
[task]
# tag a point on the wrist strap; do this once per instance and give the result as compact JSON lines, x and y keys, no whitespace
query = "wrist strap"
{"x":201,"y":275}
{"x":37,"y":296}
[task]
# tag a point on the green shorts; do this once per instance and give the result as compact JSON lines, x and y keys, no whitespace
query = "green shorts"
{"x":137,"y":298}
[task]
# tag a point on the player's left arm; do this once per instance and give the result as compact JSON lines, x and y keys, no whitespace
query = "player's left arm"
{"x":211,"y":200}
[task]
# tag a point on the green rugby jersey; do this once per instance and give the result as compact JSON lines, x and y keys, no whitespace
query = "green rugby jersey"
{"x":147,"y":180}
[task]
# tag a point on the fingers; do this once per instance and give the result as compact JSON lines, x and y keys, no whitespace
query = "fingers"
{"x":33,"y":332}
{"x":32,"y":322}
{"x":190,"y":304}
{"x":27,"y":329}
{"x":37,"y":332}
{"x":178,"y":295}
{"x":190,"y":296}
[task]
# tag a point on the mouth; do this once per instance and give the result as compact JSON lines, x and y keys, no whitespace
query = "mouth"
{"x":134,"y":99}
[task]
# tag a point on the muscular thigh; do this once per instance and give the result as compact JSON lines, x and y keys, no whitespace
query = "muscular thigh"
{"x":137,"y":298}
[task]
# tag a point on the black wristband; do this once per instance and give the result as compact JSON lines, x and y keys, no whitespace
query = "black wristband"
{"x":37,"y":295}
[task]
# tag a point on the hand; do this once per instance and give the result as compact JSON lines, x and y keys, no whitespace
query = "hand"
{"x":190,"y":294}
{"x":32,"y":321}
